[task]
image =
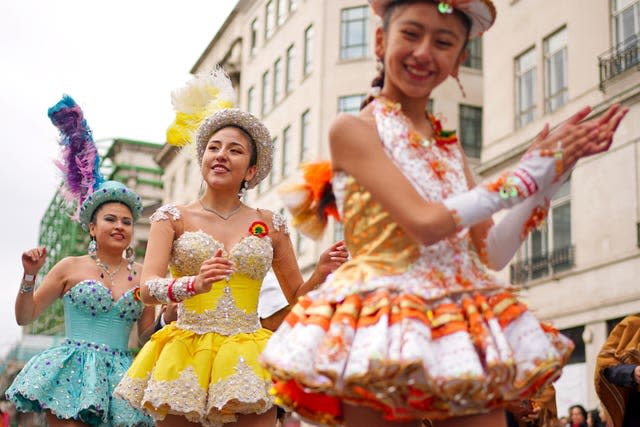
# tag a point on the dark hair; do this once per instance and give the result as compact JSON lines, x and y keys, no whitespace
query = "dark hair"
{"x":100,"y":206}
{"x":378,"y":81}
{"x":580,"y":408}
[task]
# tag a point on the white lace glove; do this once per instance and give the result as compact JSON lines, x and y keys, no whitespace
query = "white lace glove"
{"x":505,"y":238}
{"x":536,"y":171}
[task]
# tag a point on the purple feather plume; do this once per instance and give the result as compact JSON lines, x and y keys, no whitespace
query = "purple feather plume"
{"x":80,"y":159}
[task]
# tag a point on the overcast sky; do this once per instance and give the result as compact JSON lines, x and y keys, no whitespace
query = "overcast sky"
{"x":118,"y":59}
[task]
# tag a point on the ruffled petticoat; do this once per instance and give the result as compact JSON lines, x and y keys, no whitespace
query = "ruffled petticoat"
{"x":76,"y":381}
{"x":415,"y":345}
{"x":207,"y":378}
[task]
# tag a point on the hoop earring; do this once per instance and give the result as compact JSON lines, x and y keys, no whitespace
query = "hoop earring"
{"x":464,"y":95}
{"x":92,"y":248}
{"x":130,"y":256}
{"x":243,"y":189}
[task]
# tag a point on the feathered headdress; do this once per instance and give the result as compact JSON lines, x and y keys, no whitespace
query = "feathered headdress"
{"x":80,"y":160}
{"x":312,"y":202}
{"x":198,"y":99}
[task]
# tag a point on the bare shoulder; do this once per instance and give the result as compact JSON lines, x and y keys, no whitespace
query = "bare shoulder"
{"x":350,"y":136}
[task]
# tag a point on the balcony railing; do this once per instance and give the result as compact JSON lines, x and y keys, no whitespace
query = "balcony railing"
{"x":542,"y":265}
{"x":619,"y":59}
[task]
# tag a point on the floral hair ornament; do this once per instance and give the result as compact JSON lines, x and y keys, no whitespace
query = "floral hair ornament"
{"x":481,"y":13}
{"x":258,"y":229}
{"x":80,"y":162}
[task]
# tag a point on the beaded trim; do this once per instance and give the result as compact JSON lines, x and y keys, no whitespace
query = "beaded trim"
{"x":103,"y":348}
{"x":227,"y":319}
{"x":163,"y":213}
{"x":280,"y":222}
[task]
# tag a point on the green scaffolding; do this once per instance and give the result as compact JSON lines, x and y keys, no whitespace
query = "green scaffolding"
{"x":62,"y":237}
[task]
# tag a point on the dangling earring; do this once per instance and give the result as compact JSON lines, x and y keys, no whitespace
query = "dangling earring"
{"x":243,"y":189}
{"x":201,"y":191}
{"x":464,"y":95}
{"x":130,"y":256}
{"x":379,"y":65}
{"x":92,"y":249}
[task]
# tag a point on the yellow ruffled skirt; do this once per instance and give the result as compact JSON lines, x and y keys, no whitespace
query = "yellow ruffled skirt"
{"x":207,"y":378}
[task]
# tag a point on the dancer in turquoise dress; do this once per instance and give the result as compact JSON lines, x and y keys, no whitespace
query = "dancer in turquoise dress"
{"x":73,"y":382}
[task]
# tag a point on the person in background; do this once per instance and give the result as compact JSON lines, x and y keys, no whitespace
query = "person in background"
{"x":617,"y":374}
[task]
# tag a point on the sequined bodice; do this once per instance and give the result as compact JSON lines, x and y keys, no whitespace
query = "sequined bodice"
{"x":231,"y":306}
{"x":91,"y":314}
{"x":379,"y":247}
{"x":251,"y":256}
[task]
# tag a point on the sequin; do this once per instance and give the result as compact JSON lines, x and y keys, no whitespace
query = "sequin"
{"x":423,"y":331}
{"x":164,"y":212}
{"x":226,"y":319}
{"x":204,"y":366}
{"x":75,"y":380}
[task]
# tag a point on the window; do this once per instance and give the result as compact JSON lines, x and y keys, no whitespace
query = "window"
{"x":555,"y":64}
{"x":353,"y":32}
{"x":304,"y":136}
{"x":548,"y":249}
{"x":277,"y":81}
{"x":626,"y":22}
{"x":264,"y":108}
{"x":251,"y":100}
{"x":471,"y":130}
{"x":525,"y":88}
{"x":288,"y":81}
{"x":307,"y":65}
{"x":270,"y":19}
{"x":284,"y":153}
{"x":575,"y":335}
{"x":282,"y":11}
{"x":274,"y":169}
{"x":254,"y":37}
{"x":474,"y":54}
{"x":350,"y":103}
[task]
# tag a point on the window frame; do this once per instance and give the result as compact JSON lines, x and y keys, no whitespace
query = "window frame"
{"x":362,"y":47}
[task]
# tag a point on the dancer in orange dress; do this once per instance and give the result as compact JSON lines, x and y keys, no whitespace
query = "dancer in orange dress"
{"x":414,"y":326}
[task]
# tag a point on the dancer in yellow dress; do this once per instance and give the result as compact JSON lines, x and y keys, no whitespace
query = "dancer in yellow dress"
{"x":203,"y":369}
{"x":414,"y":326}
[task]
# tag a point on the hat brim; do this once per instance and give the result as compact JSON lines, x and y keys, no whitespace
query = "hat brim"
{"x":482,"y":13}
{"x":109,"y":191}
{"x":250,"y":124}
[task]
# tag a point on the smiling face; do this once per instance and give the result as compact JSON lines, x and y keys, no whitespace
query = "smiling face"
{"x":420,"y":47}
{"x":228,"y":158}
{"x":112,"y":226}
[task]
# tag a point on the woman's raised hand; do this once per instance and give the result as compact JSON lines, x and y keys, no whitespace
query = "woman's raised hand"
{"x":213,"y":270}
{"x":333,"y":257}
{"x":33,"y":260}
{"x":577,"y":137}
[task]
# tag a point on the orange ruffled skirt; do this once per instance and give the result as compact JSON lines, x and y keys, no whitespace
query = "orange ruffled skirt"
{"x":411,"y":358}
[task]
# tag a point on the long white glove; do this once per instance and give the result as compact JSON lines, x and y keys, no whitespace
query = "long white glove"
{"x":505,"y":238}
{"x":536,"y":171}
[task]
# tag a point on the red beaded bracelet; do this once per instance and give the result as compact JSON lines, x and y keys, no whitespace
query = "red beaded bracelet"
{"x":170,"y":291}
